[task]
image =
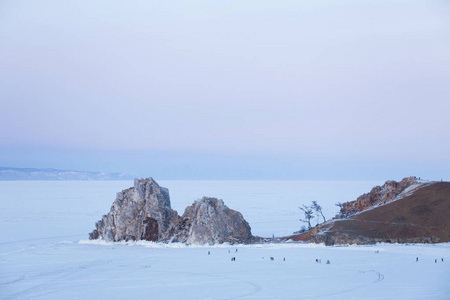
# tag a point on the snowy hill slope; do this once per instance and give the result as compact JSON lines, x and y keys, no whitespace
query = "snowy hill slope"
{"x":421,"y":216}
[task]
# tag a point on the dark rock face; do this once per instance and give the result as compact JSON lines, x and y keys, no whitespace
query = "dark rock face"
{"x":150,"y":230}
{"x":377,"y":196}
{"x":210,"y":221}
{"x":143,"y":212}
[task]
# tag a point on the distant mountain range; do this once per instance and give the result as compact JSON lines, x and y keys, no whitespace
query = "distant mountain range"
{"x":55,"y":174}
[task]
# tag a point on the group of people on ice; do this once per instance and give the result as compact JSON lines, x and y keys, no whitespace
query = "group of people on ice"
{"x":319,"y":261}
{"x":435,"y":260}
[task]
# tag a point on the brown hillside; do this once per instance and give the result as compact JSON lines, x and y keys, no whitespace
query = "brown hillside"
{"x":423,"y":216}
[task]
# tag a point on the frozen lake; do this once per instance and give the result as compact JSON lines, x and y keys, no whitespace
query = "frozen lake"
{"x":44,"y":253}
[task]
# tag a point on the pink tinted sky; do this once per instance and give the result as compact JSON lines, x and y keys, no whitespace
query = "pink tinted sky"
{"x":227,"y":89}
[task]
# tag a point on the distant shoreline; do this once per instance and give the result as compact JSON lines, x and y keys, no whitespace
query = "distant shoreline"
{"x":34,"y":174}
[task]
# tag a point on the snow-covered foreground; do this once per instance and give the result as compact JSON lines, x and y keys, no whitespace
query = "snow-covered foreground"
{"x":66,"y":270}
{"x":44,"y":253}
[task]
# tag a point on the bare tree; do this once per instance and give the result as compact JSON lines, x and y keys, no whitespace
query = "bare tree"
{"x":308,"y":215}
{"x":342,"y":213}
{"x":318,"y":210}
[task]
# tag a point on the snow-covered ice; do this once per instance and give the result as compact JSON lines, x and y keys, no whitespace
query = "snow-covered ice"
{"x":45,"y":254}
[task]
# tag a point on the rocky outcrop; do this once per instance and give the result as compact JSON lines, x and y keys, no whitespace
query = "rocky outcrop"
{"x":378,"y":195}
{"x":210,"y":221}
{"x":143,"y":212}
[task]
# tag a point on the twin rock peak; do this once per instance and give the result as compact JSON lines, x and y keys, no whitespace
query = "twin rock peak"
{"x":143,"y":212}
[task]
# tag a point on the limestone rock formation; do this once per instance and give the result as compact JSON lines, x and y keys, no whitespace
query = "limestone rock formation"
{"x":377,"y":196}
{"x":143,"y":212}
{"x":210,"y":221}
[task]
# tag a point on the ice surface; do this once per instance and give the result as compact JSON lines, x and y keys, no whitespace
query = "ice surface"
{"x":44,"y":252}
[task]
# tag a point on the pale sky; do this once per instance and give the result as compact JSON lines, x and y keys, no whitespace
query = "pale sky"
{"x":227,"y":89}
